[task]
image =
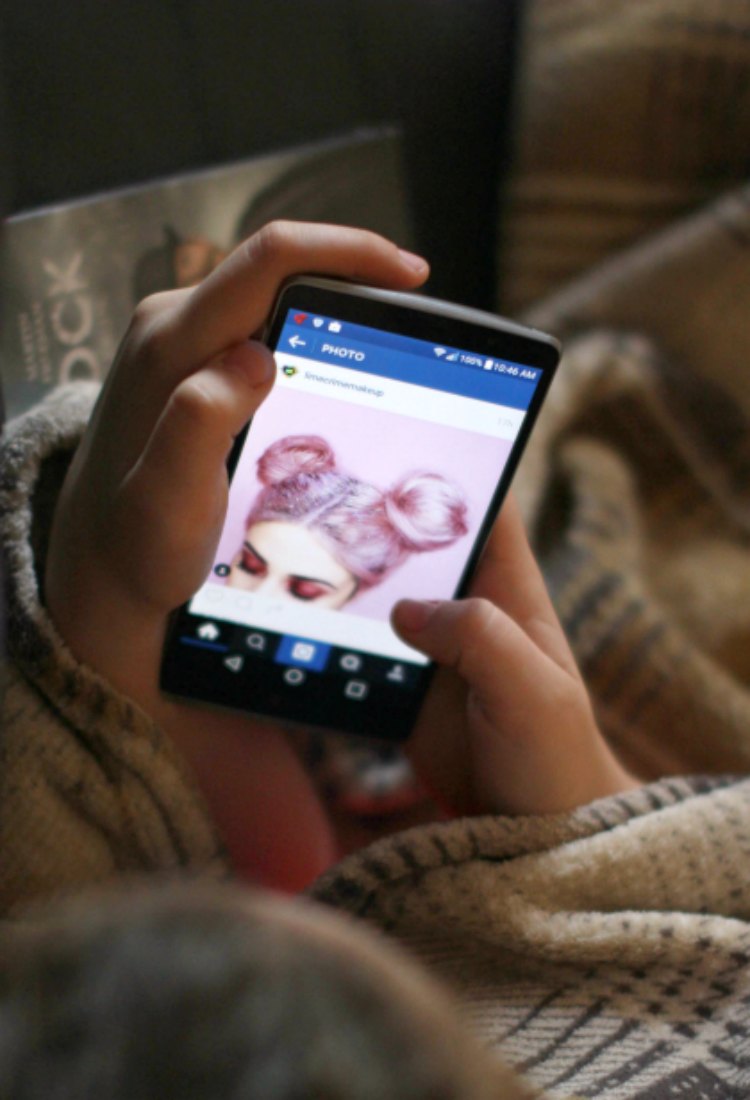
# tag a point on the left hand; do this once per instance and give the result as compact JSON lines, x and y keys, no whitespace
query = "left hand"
{"x":140,"y":514}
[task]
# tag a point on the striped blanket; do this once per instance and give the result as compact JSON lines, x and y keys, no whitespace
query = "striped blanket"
{"x":607,"y":953}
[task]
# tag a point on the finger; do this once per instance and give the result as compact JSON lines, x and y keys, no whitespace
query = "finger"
{"x":492,"y":654}
{"x":174,"y":333}
{"x":177,"y":490}
{"x":509,"y":577}
{"x":195,"y":432}
{"x":234,"y":301}
{"x":134,"y":391}
{"x":438,"y":748}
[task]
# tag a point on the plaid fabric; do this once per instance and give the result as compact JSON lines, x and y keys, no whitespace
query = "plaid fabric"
{"x":603,"y":953}
{"x":637,"y":487}
{"x":631,"y":113}
{"x":606,"y":953}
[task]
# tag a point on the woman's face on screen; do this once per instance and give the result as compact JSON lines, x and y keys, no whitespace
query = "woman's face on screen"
{"x":286,"y":560}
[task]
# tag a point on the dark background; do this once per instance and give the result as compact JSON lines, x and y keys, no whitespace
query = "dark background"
{"x":102,"y":95}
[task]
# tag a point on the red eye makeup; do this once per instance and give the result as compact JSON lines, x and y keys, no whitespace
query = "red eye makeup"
{"x":303,"y":589}
{"x":251,"y":562}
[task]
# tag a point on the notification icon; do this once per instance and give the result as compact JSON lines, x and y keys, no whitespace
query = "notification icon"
{"x":299,"y":318}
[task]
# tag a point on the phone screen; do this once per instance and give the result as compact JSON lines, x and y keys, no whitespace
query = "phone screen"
{"x":373,"y":471}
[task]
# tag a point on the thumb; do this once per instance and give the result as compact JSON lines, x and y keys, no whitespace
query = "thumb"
{"x":497,"y":660}
{"x":207,"y":409}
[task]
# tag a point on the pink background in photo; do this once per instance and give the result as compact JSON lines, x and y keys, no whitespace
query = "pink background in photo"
{"x":378,"y":447}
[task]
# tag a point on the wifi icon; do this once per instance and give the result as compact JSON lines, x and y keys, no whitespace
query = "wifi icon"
{"x":439,"y":351}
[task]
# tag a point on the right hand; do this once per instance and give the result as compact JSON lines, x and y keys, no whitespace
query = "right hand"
{"x":508,"y":725}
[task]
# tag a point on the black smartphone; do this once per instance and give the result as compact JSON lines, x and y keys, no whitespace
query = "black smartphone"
{"x":373,"y":471}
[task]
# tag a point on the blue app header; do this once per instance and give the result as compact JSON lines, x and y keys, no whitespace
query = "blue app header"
{"x":406,"y":359}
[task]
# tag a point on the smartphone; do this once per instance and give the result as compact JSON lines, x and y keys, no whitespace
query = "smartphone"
{"x":374,"y":470}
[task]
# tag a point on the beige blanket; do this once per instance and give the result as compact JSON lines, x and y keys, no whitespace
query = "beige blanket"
{"x":606,"y":953}
{"x":638,"y":489}
{"x":632,"y":156}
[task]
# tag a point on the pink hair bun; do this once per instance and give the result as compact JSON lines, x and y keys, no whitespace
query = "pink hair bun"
{"x":368,"y":531}
{"x":426,"y":511}
{"x":294,"y":455}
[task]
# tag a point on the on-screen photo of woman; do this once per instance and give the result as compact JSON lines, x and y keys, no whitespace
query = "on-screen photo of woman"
{"x":321,"y":536}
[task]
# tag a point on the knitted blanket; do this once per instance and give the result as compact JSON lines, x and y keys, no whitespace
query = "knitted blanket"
{"x":638,"y":492}
{"x":606,"y":953}
{"x":603,"y":954}
{"x":631,"y":168}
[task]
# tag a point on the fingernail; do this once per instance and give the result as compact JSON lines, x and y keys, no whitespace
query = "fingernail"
{"x":414,"y":615}
{"x":412,"y":261}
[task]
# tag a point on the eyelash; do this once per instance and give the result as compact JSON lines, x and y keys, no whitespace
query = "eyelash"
{"x":252,"y":564}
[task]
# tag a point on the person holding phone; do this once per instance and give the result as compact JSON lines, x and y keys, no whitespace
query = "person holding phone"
{"x":135,"y":527}
{"x":588,"y":925}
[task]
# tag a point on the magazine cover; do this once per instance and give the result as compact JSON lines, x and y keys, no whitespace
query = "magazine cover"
{"x":70,"y":275}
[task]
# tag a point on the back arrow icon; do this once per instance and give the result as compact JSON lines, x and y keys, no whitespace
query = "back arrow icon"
{"x":296,"y":342}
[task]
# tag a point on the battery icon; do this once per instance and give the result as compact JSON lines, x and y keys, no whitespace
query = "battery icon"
{"x":488,"y":364}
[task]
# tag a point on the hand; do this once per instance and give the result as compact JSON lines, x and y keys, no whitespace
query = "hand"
{"x":141,"y":511}
{"x":508,"y":725}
